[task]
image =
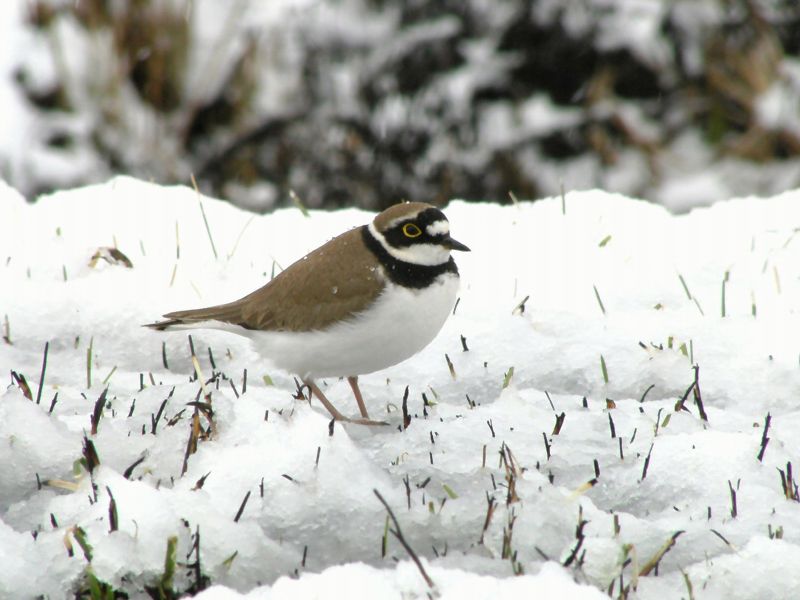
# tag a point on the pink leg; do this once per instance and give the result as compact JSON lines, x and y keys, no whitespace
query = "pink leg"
{"x":353,"y":381}
{"x":332,"y":409}
{"x":325,"y":402}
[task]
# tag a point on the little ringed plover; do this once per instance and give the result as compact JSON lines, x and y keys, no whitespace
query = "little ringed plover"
{"x":366,"y":300}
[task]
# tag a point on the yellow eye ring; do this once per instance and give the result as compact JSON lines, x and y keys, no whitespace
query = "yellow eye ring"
{"x":410,"y":230}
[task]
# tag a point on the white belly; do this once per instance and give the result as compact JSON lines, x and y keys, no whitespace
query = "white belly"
{"x":400,"y":324}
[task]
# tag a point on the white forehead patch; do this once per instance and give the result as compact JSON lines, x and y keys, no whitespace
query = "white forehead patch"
{"x":438,"y":228}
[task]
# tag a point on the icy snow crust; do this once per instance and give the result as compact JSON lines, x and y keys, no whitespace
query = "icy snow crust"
{"x":311,"y":493}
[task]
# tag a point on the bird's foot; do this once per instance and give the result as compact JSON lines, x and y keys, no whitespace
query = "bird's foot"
{"x":337,"y":416}
{"x":361,"y":421}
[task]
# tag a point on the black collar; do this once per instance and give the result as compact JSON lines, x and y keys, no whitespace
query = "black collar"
{"x":404,"y":273}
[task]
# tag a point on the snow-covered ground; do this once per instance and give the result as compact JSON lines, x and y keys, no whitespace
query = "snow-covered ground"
{"x":582,"y":383}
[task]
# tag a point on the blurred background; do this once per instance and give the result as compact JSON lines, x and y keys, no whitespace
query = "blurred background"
{"x":369,"y":102}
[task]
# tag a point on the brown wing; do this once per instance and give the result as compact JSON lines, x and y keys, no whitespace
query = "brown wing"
{"x":334,"y":281}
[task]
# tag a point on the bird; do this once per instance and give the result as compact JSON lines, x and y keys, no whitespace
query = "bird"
{"x":365,"y":300}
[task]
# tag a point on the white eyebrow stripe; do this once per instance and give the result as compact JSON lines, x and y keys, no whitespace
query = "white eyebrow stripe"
{"x":438,"y":228}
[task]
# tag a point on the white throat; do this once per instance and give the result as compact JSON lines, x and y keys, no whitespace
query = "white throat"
{"x":419,"y":254}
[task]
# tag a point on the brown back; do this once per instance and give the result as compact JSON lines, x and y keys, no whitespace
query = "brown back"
{"x":335,"y":281}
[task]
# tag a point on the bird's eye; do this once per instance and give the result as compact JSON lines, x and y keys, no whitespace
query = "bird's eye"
{"x":411,"y":230}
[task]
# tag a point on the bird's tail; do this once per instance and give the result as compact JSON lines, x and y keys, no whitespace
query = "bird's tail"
{"x":223,"y":313}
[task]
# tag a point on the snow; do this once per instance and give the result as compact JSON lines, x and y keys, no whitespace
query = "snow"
{"x":311,"y":524}
{"x":16,"y":120}
{"x":777,"y":107}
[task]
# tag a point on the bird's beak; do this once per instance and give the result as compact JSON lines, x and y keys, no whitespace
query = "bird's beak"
{"x":454,"y":244}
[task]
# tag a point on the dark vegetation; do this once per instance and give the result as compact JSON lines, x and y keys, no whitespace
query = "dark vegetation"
{"x":370,"y":101}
